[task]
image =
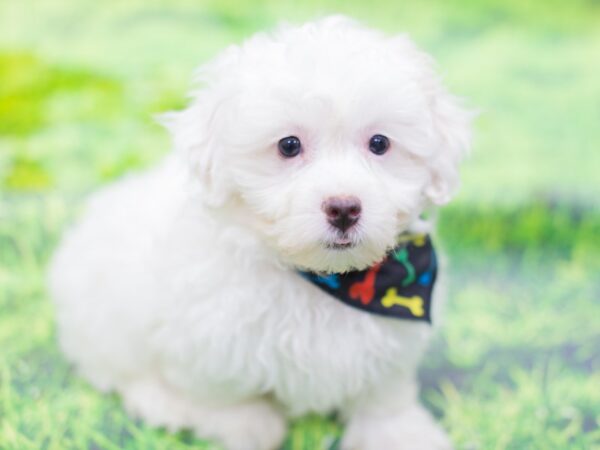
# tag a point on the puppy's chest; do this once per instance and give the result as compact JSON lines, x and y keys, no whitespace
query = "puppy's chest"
{"x":327,"y":358}
{"x":288,"y":338}
{"x":337,"y":352}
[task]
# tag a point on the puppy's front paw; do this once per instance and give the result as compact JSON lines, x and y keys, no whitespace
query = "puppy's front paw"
{"x":251,"y":426}
{"x":413,"y":429}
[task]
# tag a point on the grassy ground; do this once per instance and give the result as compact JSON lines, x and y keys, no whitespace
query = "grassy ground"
{"x":517,"y":365}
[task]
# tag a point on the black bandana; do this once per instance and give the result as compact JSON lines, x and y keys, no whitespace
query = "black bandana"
{"x":400,"y":286}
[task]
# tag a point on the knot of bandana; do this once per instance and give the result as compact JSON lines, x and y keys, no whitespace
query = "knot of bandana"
{"x":400,"y":286}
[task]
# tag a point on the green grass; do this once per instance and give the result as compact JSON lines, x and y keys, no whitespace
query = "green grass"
{"x":516,"y":365}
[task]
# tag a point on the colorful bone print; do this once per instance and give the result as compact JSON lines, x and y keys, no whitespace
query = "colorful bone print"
{"x":419,"y":240}
{"x":365,"y":290}
{"x":399,"y":287}
{"x":401,"y":256}
{"x":332,"y":280}
{"x":414,"y":303}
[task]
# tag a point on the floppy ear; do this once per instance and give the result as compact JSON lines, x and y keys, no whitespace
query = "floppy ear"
{"x":194,"y":132}
{"x":449,"y":127}
{"x":452,"y":125}
{"x":198,"y":130}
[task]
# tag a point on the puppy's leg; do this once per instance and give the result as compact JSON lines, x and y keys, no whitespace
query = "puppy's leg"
{"x":391,"y":418}
{"x":250,"y":425}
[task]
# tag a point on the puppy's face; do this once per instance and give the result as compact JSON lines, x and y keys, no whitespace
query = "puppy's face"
{"x":332,"y":139}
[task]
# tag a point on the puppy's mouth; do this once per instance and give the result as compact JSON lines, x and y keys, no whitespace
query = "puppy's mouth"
{"x":341,"y":242}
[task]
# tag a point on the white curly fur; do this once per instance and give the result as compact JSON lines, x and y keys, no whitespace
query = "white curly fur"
{"x":178,"y":288}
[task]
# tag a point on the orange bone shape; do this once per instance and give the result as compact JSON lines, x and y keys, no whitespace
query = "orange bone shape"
{"x":365,"y":290}
{"x":414,"y":303}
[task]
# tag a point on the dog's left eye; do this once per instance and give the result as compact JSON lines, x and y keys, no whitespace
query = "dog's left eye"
{"x":379,"y":144}
{"x":290,"y":146}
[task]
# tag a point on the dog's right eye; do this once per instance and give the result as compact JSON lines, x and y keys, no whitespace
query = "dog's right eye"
{"x":379,"y":144}
{"x":290,"y":146}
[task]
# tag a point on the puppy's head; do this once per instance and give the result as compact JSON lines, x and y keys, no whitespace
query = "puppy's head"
{"x":330,"y":138}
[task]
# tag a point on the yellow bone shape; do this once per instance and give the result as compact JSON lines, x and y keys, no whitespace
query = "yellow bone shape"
{"x":414,"y":303}
{"x":418,"y":240}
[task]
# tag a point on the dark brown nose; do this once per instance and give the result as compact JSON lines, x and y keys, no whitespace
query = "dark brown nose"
{"x":342,"y":212}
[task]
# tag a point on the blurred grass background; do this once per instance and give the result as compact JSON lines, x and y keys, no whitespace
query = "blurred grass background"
{"x":517,"y":363}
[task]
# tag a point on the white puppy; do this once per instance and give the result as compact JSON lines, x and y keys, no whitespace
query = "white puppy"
{"x":311,"y":148}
